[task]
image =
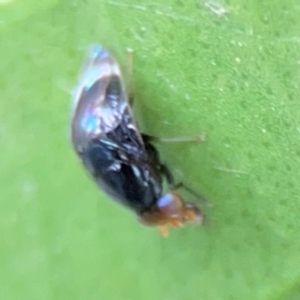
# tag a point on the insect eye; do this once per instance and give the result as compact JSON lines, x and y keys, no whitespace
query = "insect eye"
{"x":170,"y":204}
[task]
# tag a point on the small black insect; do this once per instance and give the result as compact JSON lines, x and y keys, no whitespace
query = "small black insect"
{"x":122,"y":161}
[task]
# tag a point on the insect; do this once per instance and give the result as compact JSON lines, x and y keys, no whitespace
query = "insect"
{"x":122,"y":161}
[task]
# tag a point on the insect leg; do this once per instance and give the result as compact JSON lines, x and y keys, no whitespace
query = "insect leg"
{"x":176,"y":139}
{"x":169,"y":176}
{"x":175,"y":186}
{"x":129,"y":53}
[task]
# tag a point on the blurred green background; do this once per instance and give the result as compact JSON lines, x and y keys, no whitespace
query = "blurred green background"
{"x":230,"y":68}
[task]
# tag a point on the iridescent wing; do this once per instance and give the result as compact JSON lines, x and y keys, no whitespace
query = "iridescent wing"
{"x":99,"y":102}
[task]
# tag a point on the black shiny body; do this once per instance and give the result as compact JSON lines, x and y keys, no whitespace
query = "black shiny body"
{"x":104,"y":134}
{"x":128,"y":170}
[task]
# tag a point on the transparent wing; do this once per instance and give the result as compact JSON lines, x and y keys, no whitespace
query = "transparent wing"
{"x":99,"y":101}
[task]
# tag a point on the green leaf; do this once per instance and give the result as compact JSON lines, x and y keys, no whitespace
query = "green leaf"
{"x":227,"y":68}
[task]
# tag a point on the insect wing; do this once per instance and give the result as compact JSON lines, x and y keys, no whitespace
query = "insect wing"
{"x":100,"y":100}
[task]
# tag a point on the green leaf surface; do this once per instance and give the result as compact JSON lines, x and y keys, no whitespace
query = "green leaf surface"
{"x":228,"y":68}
